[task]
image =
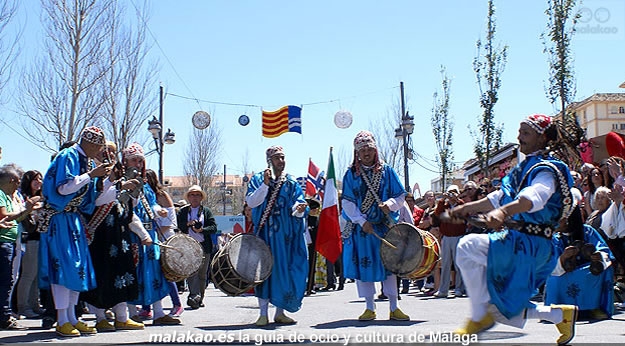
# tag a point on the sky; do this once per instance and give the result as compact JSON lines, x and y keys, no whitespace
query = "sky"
{"x":344,"y":55}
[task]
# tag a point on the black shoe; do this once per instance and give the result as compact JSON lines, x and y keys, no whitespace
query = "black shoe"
{"x":382,"y":296}
{"x":404,"y":290}
{"x":12,"y":324}
{"x":329,"y":288}
{"x":398,"y":297}
{"x":202,"y":305}
{"x":340,"y":288}
{"x":47,"y":322}
{"x":194,"y":302}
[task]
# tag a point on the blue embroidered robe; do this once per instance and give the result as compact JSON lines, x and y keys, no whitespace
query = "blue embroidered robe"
{"x":64,"y":257}
{"x":361,"y":251}
{"x":152,"y":283}
{"x":284,"y":234}
{"x":580,"y":287}
{"x":518,"y":263}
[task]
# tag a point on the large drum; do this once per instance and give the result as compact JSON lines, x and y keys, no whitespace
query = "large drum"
{"x":181,"y":257}
{"x":416,"y":255}
{"x":244,"y":262}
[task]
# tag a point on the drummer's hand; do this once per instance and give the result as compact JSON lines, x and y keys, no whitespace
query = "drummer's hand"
{"x":385,"y":209}
{"x":569,"y":251}
{"x":147,"y":242}
{"x":130,"y":184}
{"x":267,"y":176}
{"x":458,"y":211}
{"x":367,"y":227}
{"x":163,"y":213}
{"x":596,"y":256}
{"x":495,"y":218}
{"x":301,"y":207}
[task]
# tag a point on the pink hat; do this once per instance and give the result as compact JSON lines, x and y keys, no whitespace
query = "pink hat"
{"x":274,"y":150}
{"x":93,"y":135}
{"x":133,"y":150}
{"x":364,"y":139}
{"x":539,"y":122}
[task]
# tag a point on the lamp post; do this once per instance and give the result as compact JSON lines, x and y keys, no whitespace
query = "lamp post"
{"x":156,"y":129}
{"x":403,"y":132}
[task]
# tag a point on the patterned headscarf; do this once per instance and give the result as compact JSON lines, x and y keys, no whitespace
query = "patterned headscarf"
{"x":133,"y":150}
{"x":94,"y":135}
{"x":364,"y":139}
{"x":274,"y":150}
{"x":539,"y":122}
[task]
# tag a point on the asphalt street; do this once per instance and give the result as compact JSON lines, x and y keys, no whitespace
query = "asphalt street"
{"x":326,"y":317}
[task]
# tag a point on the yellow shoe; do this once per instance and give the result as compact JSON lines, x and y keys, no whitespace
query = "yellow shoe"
{"x":567,"y":326}
{"x":104,"y":326}
{"x":398,"y":315}
{"x":129,"y":325}
{"x":84,"y":329}
{"x":473,"y":327}
{"x":67,"y":330}
{"x":368,"y":315}
{"x":262,"y":321}
{"x":283,"y":319}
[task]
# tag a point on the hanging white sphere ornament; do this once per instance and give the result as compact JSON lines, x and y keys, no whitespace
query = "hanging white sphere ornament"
{"x":201,"y":120}
{"x":343,"y":119}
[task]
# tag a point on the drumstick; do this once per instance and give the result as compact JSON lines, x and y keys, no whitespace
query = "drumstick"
{"x":388,"y":243}
{"x":165,"y":245}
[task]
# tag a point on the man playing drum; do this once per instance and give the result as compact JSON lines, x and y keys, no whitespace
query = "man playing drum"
{"x":366,"y":182}
{"x":152,"y":283}
{"x":505,"y":268}
{"x":278,"y":208}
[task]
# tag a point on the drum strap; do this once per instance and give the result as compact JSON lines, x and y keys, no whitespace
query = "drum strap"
{"x":272,"y":201}
{"x":372,"y":188}
{"x":97,"y":218}
{"x":146,"y":206}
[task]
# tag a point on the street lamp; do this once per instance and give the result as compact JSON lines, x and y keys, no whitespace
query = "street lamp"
{"x":156,"y":129}
{"x":403,"y":132}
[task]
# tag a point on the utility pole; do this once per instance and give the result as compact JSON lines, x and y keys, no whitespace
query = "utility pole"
{"x":223,"y":191}
{"x":160,"y":136}
{"x":404,"y":135}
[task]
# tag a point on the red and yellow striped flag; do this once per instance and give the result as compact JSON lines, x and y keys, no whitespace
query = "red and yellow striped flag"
{"x":285,"y":119}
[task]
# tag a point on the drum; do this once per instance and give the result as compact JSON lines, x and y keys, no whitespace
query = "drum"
{"x":181,"y":257}
{"x":244,"y":262}
{"x":416,"y":255}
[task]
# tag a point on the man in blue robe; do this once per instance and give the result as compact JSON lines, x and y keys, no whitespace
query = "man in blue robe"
{"x":65,"y":264}
{"x":372,"y":194}
{"x":153,"y":286}
{"x":587,"y":283}
{"x":278,"y":209}
{"x":506,"y":268}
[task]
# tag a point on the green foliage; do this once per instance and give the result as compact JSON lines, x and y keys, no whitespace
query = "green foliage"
{"x":442,"y":128}
{"x":488,"y":65}
{"x":557,"y":45}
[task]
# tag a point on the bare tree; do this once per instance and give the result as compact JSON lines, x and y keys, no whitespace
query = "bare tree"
{"x":389,"y":148}
{"x":9,"y":49}
{"x":488,"y":66}
{"x":557,"y":43}
{"x":200,"y":161}
{"x":62,"y":91}
{"x":443,"y":128}
{"x":129,"y":87}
